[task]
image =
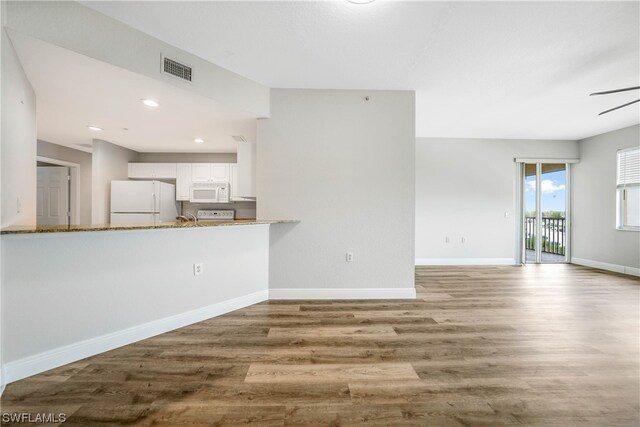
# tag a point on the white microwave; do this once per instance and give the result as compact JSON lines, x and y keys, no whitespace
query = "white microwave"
{"x":209,"y":192}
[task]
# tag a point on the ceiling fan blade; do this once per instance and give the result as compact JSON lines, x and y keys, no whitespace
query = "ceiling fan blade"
{"x":615,"y":91}
{"x":623,"y":105}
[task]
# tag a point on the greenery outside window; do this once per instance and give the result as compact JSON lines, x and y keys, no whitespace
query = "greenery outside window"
{"x":628,"y":189}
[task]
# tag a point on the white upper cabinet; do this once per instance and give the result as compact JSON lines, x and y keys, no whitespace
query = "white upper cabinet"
{"x":233,"y":182}
{"x":201,"y":172}
{"x":183,"y":181}
{"x":220,"y":172}
{"x":141,"y":170}
{"x":246,"y":170}
{"x":210,"y":172}
{"x":165,"y":170}
{"x":186,"y":174}
{"x":152,"y":170}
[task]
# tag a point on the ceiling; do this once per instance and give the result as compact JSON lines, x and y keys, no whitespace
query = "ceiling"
{"x":480,"y":69}
{"x":75,"y":91}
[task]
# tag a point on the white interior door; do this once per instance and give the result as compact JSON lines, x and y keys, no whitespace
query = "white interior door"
{"x":53,"y":196}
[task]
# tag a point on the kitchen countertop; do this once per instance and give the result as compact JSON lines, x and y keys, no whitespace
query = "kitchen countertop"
{"x":33,"y":229}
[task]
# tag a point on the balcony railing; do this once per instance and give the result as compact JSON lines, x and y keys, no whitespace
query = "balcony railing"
{"x":553,"y":234}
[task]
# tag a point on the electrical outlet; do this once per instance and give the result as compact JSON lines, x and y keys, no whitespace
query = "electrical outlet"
{"x":447,"y":240}
{"x":349,"y":256}
{"x":463,"y":240}
{"x":198,"y":269}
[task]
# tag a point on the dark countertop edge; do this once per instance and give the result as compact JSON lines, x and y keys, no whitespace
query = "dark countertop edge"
{"x":167,"y":226}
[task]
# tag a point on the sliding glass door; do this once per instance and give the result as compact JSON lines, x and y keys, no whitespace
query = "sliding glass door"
{"x":545,"y":221}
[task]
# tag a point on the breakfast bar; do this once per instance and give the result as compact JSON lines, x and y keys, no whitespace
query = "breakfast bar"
{"x":80,"y":290}
{"x":36,"y":229}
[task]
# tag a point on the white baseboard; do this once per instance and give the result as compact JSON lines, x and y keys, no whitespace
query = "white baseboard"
{"x":465,"y":261}
{"x":354,"y":293}
{"x":633,"y":271}
{"x":41,"y":362}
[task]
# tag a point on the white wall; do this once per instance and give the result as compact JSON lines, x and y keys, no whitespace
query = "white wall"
{"x":463,"y":189}
{"x":109,"y":162}
{"x":72,"y":295}
{"x":55,"y":151}
{"x":595,"y":238}
{"x":345,"y":168}
{"x":18,"y":144}
{"x":73,"y":26}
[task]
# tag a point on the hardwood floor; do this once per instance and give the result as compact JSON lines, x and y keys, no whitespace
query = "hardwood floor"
{"x":535,"y":345}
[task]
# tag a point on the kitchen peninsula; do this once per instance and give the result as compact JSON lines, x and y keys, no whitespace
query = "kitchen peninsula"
{"x":34,"y":229}
{"x":77,"y":291}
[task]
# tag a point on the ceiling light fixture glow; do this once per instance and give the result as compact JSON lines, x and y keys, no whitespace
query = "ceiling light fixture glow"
{"x":95,"y":128}
{"x":361,"y":1}
{"x":150,"y":103}
{"x":198,"y":140}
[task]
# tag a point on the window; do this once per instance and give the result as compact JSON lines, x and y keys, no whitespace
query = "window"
{"x":628,"y":189}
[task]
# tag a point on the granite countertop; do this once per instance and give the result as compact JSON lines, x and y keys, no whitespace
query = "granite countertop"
{"x":33,"y":229}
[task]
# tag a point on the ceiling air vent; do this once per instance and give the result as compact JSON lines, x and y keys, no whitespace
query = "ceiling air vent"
{"x":239,"y":138}
{"x":176,"y":69}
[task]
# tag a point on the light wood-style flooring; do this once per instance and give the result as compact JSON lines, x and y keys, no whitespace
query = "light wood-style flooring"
{"x":535,"y":345}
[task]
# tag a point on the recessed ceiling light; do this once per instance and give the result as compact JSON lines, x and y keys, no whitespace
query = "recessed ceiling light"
{"x":198,"y":140}
{"x":150,"y":103}
{"x":95,"y":128}
{"x":361,"y":1}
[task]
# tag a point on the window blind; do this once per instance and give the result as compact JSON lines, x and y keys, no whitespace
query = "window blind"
{"x":628,"y":167}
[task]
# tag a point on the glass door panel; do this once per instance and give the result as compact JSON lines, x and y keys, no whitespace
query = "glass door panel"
{"x":553,"y":208}
{"x":530,"y":213}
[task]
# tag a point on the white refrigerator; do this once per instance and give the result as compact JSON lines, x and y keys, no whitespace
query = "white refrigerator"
{"x":142,"y":202}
